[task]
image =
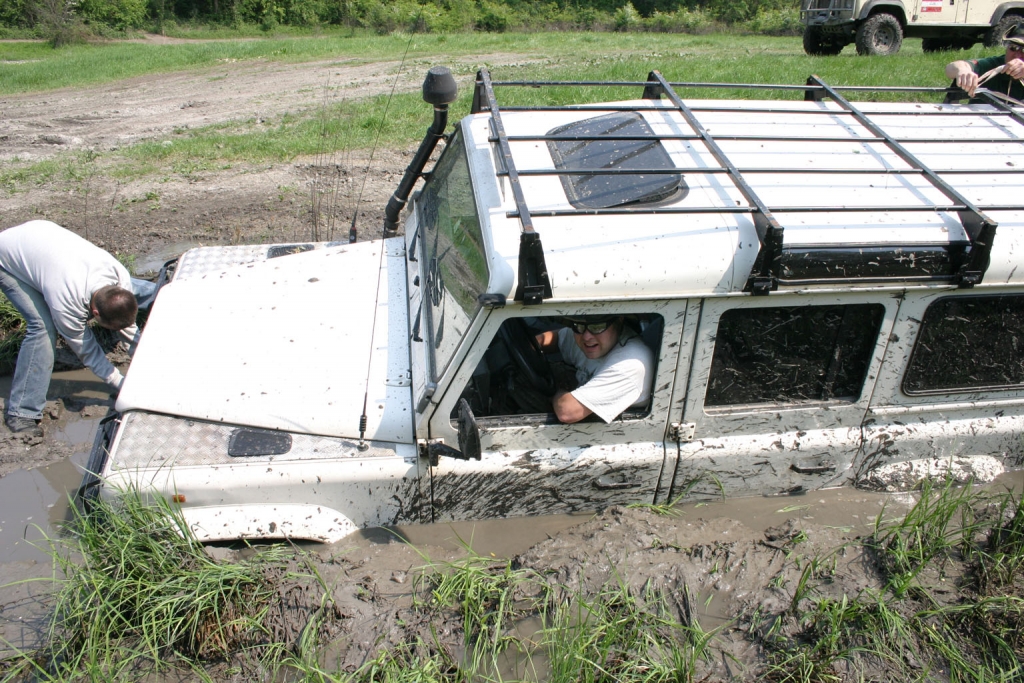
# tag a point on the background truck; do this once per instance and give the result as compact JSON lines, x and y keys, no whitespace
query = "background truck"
{"x":877,"y":27}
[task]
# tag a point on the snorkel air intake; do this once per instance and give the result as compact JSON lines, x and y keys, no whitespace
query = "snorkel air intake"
{"x":440,"y":90}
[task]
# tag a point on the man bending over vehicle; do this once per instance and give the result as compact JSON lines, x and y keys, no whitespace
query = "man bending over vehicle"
{"x":59,"y":282}
{"x":967,"y":74}
{"x":614,"y":368}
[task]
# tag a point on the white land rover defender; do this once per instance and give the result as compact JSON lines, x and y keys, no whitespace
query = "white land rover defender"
{"x":878,"y":27}
{"x":828,"y":288}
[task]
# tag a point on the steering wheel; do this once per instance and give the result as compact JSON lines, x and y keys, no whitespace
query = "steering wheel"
{"x":525,"y":352}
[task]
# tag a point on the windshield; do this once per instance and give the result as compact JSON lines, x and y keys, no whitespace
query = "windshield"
{"x":454,"y":262}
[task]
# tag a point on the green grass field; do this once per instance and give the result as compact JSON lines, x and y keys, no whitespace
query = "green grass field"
{"x":352,"y":124}
{"x":32,"y":66}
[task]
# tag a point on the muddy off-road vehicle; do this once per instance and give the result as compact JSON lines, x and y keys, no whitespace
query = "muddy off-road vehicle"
{"x":878,"y":27}
{"x":833,"y":293}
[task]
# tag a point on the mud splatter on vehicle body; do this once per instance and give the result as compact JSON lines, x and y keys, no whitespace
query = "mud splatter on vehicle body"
{"x":827,"y":288}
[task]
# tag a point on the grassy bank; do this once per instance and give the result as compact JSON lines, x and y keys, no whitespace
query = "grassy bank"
{"x":32,"y":66}
{"x":941,"y":599}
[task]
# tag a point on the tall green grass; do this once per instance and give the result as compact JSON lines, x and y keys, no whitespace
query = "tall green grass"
{"x":140,"y":593}
{"x":12,"y":332}
{"x":949,"y":605}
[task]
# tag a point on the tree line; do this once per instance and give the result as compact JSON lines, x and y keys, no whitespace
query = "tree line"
{"x":44,"y":17}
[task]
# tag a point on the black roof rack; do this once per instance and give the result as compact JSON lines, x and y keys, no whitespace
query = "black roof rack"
{"x":962,"y":263}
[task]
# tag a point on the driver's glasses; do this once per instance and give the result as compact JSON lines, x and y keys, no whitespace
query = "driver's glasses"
{"x":1014,"y":47}
{"x":593,"y":328}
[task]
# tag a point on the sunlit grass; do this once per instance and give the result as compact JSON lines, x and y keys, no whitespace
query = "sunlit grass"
{"x":349,"y":124}
{"x":139,"y":592}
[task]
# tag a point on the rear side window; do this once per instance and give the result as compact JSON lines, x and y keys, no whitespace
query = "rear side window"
{"x":969,"y":343}
{"x":589,"y":152}
{"x":792,"y":354}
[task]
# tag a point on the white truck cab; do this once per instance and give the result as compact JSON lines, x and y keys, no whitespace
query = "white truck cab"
{"x":831,"y":291}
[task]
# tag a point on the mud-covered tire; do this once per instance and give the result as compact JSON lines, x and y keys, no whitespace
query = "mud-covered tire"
{"x":994,"y":36}
{"x":880,"y":34}
{"x":817,"y":42}
{"x":936,"y":44}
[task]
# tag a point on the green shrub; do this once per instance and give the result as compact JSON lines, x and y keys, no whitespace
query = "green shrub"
{"x":118,"y":14}
{"x":681,"y":21}
{"x":626,"y":18}
{"x":493,"y":17}
{"x":776,"y":22}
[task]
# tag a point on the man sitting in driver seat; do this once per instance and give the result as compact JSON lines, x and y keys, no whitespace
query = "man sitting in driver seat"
{"x":614,"y":368}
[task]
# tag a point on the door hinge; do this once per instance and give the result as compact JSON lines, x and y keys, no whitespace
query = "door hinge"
{"x":681,"y":431}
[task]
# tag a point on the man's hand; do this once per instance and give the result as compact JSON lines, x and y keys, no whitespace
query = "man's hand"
{"x":1015,"y":69}
{"x":963,"y":75}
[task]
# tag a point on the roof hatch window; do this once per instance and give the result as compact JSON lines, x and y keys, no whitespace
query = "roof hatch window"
{"x":598,"y":191}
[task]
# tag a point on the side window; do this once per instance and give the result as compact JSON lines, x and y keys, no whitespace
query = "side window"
{"x":516,"y":380}
{"x":792,"y":354}
{"x":969,"y":343}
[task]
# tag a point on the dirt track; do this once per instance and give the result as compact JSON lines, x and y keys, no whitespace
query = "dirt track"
{"x":238,"y":204}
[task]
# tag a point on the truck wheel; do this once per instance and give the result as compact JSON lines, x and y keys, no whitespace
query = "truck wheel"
{"x":936,"y":44}
{"x":817,"y":42}
{"x":995,"y":35}
{"x":880,"y":34}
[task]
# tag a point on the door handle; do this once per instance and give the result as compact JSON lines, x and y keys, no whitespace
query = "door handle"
{"x":813,"y":467}
{"x":608,"y":484}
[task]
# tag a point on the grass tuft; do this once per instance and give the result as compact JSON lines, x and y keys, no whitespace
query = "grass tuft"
{"x":141,"y":593}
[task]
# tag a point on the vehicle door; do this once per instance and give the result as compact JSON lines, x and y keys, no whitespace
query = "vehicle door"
{"x":777,"y":392}
{"x":952,"y":383}
{"x":938,"y":11}
{"x":530,"y":463}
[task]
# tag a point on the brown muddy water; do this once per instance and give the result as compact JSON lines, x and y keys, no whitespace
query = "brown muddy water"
{"x":33,"y":503}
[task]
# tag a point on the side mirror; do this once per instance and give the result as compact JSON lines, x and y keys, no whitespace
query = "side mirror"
{"x":469,"y":432}
{"x":469,"y":439}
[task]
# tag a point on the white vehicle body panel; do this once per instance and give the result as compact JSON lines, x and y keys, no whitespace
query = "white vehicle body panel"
{"x":240,"y":337}
{"x":333,"y":349}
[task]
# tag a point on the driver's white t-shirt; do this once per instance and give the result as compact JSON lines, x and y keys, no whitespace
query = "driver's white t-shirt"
{"x":610,"y":384}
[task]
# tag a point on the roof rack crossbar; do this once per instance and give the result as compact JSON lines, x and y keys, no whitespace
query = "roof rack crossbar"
{"x":762,"y":278}
{"x":979,"y":227}
{"x":533,"y":283}
{"x":758,"y":110}
{"x":626,"y":210}
{"x":734,"y":86}
{"x":749,"y":138}
{"x":699,"y":170}
{"x":1002,"y":106}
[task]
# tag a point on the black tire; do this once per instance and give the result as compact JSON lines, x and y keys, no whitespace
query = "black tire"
{"x":994,"y":36}
{"x":880,"y":34}
{"x":817,"y":42}
{"x":936,"y":44}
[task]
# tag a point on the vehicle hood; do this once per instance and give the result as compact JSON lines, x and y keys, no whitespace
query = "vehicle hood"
{"x":303,"y":343}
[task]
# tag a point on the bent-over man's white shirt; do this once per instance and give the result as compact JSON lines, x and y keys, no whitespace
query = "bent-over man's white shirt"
{"x":618,"y":380}
{"x":66,"y":269}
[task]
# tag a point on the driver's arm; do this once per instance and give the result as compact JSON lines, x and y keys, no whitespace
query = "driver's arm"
{"x":568,"y":409}
{"x":962,"y":73}
{"x":548,"y":341}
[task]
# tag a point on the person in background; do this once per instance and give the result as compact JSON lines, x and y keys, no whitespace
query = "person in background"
{"x":967,"y":73}
{"x":614,"y":367}
{"x":59,"y":281}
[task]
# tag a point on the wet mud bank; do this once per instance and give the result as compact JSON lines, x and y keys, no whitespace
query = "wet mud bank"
{"x":752,"y":579}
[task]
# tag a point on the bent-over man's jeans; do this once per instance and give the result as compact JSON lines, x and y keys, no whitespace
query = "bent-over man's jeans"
{"x":35,"y":359}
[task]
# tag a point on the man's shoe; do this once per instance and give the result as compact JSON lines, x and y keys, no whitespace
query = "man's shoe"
{"x":22,"y":425}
